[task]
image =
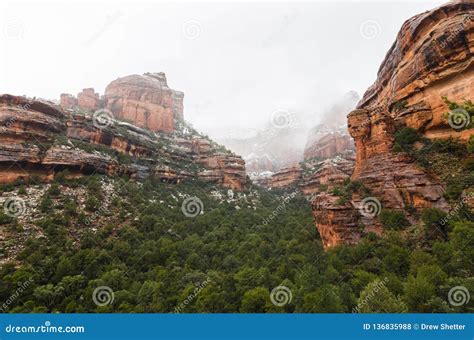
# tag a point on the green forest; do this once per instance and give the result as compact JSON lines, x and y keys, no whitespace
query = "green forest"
{"x":226,"y":259}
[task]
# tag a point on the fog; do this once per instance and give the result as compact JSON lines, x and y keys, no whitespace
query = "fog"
{"x":236,"y":62}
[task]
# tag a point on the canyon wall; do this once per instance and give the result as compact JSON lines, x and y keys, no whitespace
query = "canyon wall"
{"x":145,"y":101}
{"x":430,"y":59}
{"x":38,"y":139}
{"x":326,"y":143}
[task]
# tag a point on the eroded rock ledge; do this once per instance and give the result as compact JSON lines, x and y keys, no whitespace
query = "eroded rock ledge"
{"x":39,"y":138}
{"x":143,"y":100}
{"x":430,"y":59}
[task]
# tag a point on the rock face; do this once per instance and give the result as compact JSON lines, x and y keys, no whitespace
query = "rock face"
{"x":38,"y":139}
{"x":431,"y":58}
{"x":145,"y":101}
{"x":328,"y":174}
{"x":68,"y":101}
{"x":88,"y":99}
{"x":325,"y":143}
{"x":335,"y":218}
{"x":287,"y":177}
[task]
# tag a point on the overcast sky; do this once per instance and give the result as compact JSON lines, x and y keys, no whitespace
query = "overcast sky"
{"x":235,"y":62}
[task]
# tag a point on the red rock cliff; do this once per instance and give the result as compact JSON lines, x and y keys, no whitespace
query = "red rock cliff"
{"x":38,"y":138}
{"x":431,"y":58}
{"x":146,"y":101}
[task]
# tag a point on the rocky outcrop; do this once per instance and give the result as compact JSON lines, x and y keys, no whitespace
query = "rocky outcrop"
{"x":330,"y":137}
{"x":335,"y":217}
{"x":324,"y":143}
{"x":223,"y":169}
{"x":38,"y":140}
{"x":279,"y":146}
{"x":287,"y":177}
{"x":430,"y":59}
{"x":326,"y":175}
{"x":146,"y":101}
{"x":87,"y":100}
{"x":336,"y":221}
{"x":68,"y":101}
{"x":258,"y":165}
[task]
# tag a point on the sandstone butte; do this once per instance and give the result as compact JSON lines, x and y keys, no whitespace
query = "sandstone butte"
{"x":431,"y":58}
{"x":40,"y":138}
{"x":145,"y":101}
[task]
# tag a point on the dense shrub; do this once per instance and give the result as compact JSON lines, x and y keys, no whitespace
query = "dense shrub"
{"x":393,"y":219}
{"x":470,"y":144}
{"x":153,"y":256}
{"x":405,"y":138}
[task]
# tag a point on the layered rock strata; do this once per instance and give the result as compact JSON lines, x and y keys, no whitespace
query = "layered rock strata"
{"x":38,"y":140}
{"x":144,"y":100}
{"x":430,"y":59}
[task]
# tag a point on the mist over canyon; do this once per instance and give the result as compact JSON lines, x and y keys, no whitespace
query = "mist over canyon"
{"x":233,"y":153}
